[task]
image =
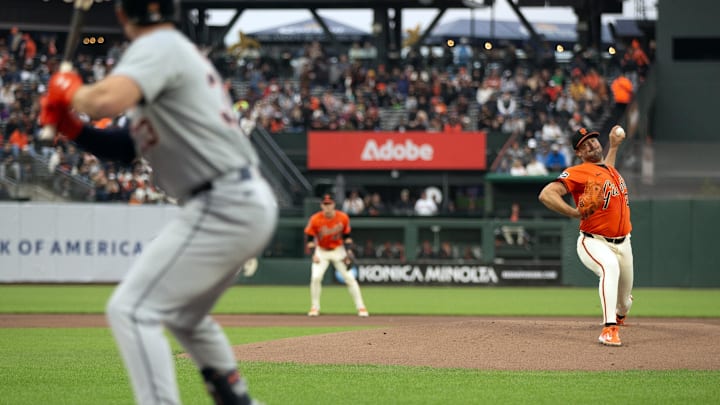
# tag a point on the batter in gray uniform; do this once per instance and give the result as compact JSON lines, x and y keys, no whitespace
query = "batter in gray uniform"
{"x":182,"y":123}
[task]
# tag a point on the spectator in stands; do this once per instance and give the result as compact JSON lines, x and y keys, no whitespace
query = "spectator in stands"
{"x":558,"y":76}
{"x":9,"y":163}
{"x":484,"y":93}
{"x":386,"y":251}
{"x":577,"y":89}
{"x":518,"y":168}
{"x":426,"y":250}
{"x":446,"y":251}
{"x":551,"y":131}
{"x":113,"y":191}
{"x":622,"y":89}
{"x":486,"y":119}
{"x":516,"y":152}
{"x":401,"y":125}
{"x":504,"y":166}
{"x":565,"y":106}
{"x":453,"y":124}
{"x":635,"y":59}
{"x":19,"y":139}
{"x":137,"y":197}
{"x":596,"y":84}
{"x":375,"y":206}
{"x":368,"y":251}
{"x":425,"y":205}
{"x":576,"y":122}
{"x":506,"y":105}
{"x":56,"y":158}
{"x":15,"y":42}
{"x":553,"y":90}
{"x":399,"y":251}
{"x":420,"y":122}
{"x":353,"y":204}
{"x":493,"y":80}
{"x":514,"y":234}
{"x":404,"y":206}
{"x":28,"y":50}
{"x":73,"y":157}
{"x":470,"y":253}
{"x":535,"y":167}
{"x":555,"y":160}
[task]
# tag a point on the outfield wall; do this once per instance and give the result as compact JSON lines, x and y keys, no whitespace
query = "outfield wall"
{"x":49,"y":242}
{"x":673,"y":241}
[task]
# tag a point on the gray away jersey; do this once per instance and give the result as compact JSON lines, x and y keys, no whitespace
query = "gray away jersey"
{"x":185,"y":127}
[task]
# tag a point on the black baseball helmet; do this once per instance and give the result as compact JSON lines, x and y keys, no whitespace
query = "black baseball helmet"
{"x":148,"y":12}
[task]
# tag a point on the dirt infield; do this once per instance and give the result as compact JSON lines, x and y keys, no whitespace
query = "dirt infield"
{"x":465,"y":342}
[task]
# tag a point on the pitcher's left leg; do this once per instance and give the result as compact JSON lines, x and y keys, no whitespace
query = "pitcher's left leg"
{"x":626,"y":279}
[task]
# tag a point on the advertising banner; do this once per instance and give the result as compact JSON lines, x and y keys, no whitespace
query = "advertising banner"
{"x":74,"y":242}
{"x":360,"y":150}
{"x":459,"y":274}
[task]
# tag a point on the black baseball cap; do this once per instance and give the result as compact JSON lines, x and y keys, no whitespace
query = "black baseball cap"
{"x":327,"y":199}
{"x":581,"y":135}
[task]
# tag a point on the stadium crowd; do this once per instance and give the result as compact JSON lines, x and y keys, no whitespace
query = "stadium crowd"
{"x":539,"y":103}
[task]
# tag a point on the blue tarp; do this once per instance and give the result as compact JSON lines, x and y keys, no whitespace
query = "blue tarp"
{"x":628,"y":28}
{"x":512,"y":30}
{"x":309,"y":30}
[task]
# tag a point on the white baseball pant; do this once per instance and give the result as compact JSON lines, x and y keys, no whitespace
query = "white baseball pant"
{"x":178,"y":279}
{"x":613,"y":264}
{"x":318,"y":268}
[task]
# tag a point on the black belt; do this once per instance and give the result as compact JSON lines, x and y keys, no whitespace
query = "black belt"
{"x":244,"y":173}
{"x":616,"y":241}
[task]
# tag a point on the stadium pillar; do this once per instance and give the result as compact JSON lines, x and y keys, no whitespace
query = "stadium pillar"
{"x":380,"y":32}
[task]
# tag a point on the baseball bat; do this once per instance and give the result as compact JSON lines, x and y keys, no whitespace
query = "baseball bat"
{"x":71,"y":43}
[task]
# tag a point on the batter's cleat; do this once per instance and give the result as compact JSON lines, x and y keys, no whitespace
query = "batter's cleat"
{"x":227,"y":388}
{"x":314,"y":311}
{"x":363,"y":313}
{"x":610,"y":336}
{"x":620,"y":320}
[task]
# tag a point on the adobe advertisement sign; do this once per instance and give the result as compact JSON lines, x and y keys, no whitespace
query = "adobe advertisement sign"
{"x":359,"y":150}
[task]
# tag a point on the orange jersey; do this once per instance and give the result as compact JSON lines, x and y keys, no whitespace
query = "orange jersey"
{"x":328,"y":232}
{"x":613,"y":219}
{"x":622,"y":88}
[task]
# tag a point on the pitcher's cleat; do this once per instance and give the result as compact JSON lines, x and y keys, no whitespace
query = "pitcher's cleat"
{"x":610,"y":336}
{"x":363,"y":313}
{"x":314,"y":311}
{"x":620,"y":320}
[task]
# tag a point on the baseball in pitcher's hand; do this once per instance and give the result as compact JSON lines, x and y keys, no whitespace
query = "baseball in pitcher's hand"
{"x":617,"y":135}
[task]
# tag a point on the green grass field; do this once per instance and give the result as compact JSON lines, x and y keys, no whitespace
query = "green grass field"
{"x":82,"y":366}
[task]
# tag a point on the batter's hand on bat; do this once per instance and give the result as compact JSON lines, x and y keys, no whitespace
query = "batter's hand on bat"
{"x":62,"y":88}
{"x":59,"y":117}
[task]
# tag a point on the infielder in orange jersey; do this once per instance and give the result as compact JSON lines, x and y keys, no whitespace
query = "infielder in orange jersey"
{"x":604,"y":241}
{"x":327,"y":240}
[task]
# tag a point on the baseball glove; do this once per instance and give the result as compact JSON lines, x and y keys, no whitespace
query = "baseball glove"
{"x":591,"y":199}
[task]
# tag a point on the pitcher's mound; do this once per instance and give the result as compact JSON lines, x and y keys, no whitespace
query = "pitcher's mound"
{"x":500,"y":344}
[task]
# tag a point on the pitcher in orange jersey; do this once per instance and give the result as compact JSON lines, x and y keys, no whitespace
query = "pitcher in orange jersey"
{"x":604,"y":241}
{"x":327,"y":239}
